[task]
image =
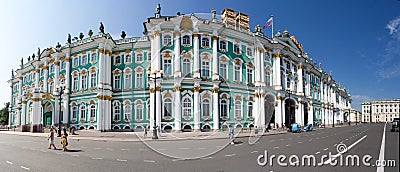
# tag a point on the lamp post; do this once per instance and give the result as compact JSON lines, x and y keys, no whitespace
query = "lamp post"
{"x":290,"y":114}
{"x":155,"y":136}
{"x":60,"y":92}
{"x":333,"y":120}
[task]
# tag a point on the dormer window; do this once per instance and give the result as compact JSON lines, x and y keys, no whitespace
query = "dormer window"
{"x":167,"y":40}
{"x":128,"y":58}
{"x":186,"y":40}
{"x":84,"y":60}
{"x":117,"y":60}
{"x":222,"y":46}
{"x":249,"y":52}
{"x":236,"y":48}
{"x":205,"y":42}
{"x":139,"y":57}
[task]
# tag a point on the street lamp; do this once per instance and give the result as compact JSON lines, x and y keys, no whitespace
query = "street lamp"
{"x":60,"y":92}
{"x":155,"y":136}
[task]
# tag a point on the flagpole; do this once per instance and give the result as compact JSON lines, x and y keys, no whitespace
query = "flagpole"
{"x":272,"y":30}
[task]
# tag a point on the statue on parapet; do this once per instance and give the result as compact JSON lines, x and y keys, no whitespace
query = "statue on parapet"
{"x":101,"y":28}
{"x":69,"y":39}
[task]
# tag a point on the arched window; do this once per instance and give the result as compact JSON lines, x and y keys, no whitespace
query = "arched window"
{"x":205,"y":68}
{"x":167,"y":40}
{"x":167,"y":66}
{"x":128,"y":81}
{"x":186,"y":40}
{"x":84,"y":60}
{"x":127,"y":112}
{"x":94,"y":57}
{"x":139,"y":79}
{"x":167,"y":107}
{"x":238,"y":69}
{"x":205,"y":42}
{"x":205,"y":107}
{"x":139,"y":111}
{"x":249,"y":52}
{"x":92,"y":112}
{"x":93,"y":80}
{"x":74,"y":112}
{"x":84,"y":82}
{"x":139,"y":57}
{"x":117,"y":81}
{"x":117,"y":60}
{"x":187,"y":107}
{"x":83,"y":112}
{"x":186,"y":68}
{"x":223,"y":68}
{"x":250,"y":109}
{"x":238,"y":108}
{"x":236,"y":48}
{"x":224,"y":108}
{"x":268,"y":78}
{"x":222,"y":46}
{"x":128,"y":58}
{"x":249,"y":75}
{"x":117,"y":110}
{"x":51,"y":87}
{"x":63,"y":65}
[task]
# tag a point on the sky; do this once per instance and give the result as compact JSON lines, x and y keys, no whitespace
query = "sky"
{"x":358,"y":40}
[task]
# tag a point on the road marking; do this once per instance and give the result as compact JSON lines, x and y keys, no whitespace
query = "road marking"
{"x":210,"y":157}
{"x":382,"y":151}
{"x":149,"y":160}
{"x":122,"y":160}
{"x":180,"y":159}
{"x":202,"y":148}
{"x":26,"y":168}
{"x":271,"y":140}
{"x":254,"y":152}
{"x":33,"y":149}
{"x":299,"y":142}
{"x":326,"y":149}
{"x":97,"y":148}
{"x":238,"y":144}
{"x":97,"y":158}
{"x":9,"y":162}
{"x":340,"y":153}
{"x":287,"y":145}
{"x":75,"y":155}
{"x":183,"y":148}
{"x":231,"y":155}
{"x":335,"y":144}
{"x":317,"y":153}
{"x":124,"y":149}
{"x":276,"y":147}
{"x":347,"y":139}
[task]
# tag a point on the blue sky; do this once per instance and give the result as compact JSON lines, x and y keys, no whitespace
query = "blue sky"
{"x":358,"y":40}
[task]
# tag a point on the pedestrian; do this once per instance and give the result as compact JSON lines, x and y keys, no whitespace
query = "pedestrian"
{"x":51,"y":139}
{"x":256,"y":131}
{"x":145,"y":132}
{"x":64,"y":140}
{"x":232,"y":135}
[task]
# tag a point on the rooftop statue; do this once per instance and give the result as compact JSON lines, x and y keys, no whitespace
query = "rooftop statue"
{"x":69,"y":39}
{"x":33,"y":56}
{"x":90,"y":33}
{"x":22,"y":61}
{"x":101,"y":28}
{"x":81,"y":36}
{"x":123,"y":35}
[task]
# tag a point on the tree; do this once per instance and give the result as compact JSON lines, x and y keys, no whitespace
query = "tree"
{"x":4,"y":114}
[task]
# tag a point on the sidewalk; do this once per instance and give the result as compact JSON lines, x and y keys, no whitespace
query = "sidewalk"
{"x":138,"y":136}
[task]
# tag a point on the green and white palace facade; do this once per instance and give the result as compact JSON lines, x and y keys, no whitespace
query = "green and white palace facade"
{"x":213,"y":72}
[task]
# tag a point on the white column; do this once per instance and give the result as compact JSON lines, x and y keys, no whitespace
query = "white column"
{"x":68,"y":71}
{"x":55,"y":113}
{"x":18,"y":114}
{"x":158,"y":106}
{"x":215,"y":109}
{"x":196,"y":107}
{"x":262,"y":68}
{"x":100,"y":116}
{"x":300,"y":83}
{"x":152,"y":103}
{"x":258,"y":65}
{"x":196,"y":71}
{"x":36,"y":111}
{"x":262,"y":111}
{"x":178,"y":108}
{"x":23,"y":113}
{"x":278,"y":111}
{"x":46,"y":76}
{"x":37,"y":77}
{"x":277,"y":69}
{"x":57,"y":73}
{"x":256,"y":114}
{"x":215,"y":58}
{"x":310,"y":114}
{"x":177,"y":55}
{"x":66,"y":110}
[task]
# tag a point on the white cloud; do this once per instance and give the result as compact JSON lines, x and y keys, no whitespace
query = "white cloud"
{"x":394,"y":27}
{"x":358,"y":99}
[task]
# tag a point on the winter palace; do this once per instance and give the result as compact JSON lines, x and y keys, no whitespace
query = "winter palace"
{"x":188,"y":72}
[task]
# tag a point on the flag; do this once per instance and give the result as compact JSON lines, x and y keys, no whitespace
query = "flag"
{"x":269,"y":23}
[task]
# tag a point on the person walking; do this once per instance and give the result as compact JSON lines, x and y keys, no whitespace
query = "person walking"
{"x":256,"y":131}
{"x":51,"y":139}
{"x":145,"y":132}
{"x":232,"y":135}
{"x":64,"y":140}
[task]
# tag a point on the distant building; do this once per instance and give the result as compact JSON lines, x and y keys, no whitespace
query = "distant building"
{"x":380,"y":111}
{"x":215,"y":73}
{"x":355,"y":116}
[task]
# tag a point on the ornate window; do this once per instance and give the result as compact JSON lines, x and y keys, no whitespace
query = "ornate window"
{"x":238,"y":108}
{"x":117,"y":81}
{"x":93,"y":80}
{"x":186,"y":40}
{"x":186,"y":68}
{"x":63,"y":65}
{"x":94,"y":57}
{"x":128,"y":81}
{"x":117,"y":111}
{"x":83,"y":112}
{"x":139,"y":80}
{"x":84,"y":60}
{"x":75,"y":83}
{"x":167,"y":107}
{"x":127,"y":112}
{"x":187,"y":107}
{"x":223,"y":69}
{"x":41,"y":72}
{"x":167,"y":66}
{"x":222,"y":46}
{"x":139,"y":111}
{"x":205,"y":42}
{"x":92,"y":112}
{"x":236,"y":48}
{"x":205,"y":68}
{"x":250,"y":109}
{"x":84,"y":82}
{"x":139,"y":57}
{"x":205,"y":108}
{"x":75,"y":62}
{"x":149,"y":56}
{"x":268,"y":78}
{"x":224,"y":108}
{"x":167,"y":40}
{"x":249,"y":75}
{"x":238,"y":70}
{"x":117,"y":60}
{"x":128,"y":58}
{"x":74,"y":112}
{"x":52,"y":68}
{"x":51,"y":87}
{"x":249,"y":52}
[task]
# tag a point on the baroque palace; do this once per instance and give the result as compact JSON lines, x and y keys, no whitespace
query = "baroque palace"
{"x":188,"y":73}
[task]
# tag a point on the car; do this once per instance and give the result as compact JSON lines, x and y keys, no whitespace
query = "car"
{"x":395,"y":125}
{"x":308,"y":127}
{"x":296,"y":128}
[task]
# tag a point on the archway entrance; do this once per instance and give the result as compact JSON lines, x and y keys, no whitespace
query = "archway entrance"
{"x":269,"y":110}
{"x":47,"y":114}
{"x":290,"y":115}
